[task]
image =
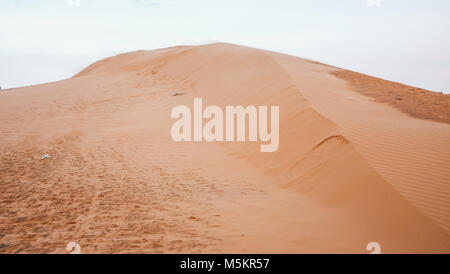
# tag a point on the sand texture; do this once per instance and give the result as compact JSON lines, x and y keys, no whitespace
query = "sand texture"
{"x":355,"y":163}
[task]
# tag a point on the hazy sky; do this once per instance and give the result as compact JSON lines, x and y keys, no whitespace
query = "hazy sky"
{"x":400,"y":40}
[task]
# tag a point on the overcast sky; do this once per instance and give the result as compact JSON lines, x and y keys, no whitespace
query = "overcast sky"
{"x":400,"y":40}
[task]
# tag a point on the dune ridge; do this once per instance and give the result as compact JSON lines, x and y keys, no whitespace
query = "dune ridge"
{"x":344,"y":174}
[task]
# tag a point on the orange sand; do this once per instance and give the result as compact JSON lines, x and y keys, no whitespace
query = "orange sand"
{"x":349,"y":171}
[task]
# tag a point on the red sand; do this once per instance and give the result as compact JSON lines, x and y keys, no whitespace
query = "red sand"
{"x":349,"y":170}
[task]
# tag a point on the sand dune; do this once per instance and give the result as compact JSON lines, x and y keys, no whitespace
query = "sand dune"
{"x":352,"y":168}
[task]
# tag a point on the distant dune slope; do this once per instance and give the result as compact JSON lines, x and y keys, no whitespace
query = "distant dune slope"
{"x":349,"y":170}
{"x":417,"y":102}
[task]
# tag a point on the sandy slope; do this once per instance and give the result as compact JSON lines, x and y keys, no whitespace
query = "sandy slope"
{"x":349,"y":170}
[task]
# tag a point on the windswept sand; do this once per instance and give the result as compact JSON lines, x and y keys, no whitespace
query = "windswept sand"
{"x":416,"y":102}
{"x":351,"y":168}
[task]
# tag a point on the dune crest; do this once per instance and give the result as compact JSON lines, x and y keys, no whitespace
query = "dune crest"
{"x":343,"y":175}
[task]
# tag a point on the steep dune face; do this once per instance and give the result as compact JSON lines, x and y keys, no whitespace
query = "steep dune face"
{"x":410,"y":154}
{"x":329,"y":188}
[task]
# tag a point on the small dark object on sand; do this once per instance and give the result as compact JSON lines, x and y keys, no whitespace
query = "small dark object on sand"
{"x":178,"y":94}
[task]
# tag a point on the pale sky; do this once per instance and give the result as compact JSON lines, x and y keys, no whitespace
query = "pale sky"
{"x":400,"y":40}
